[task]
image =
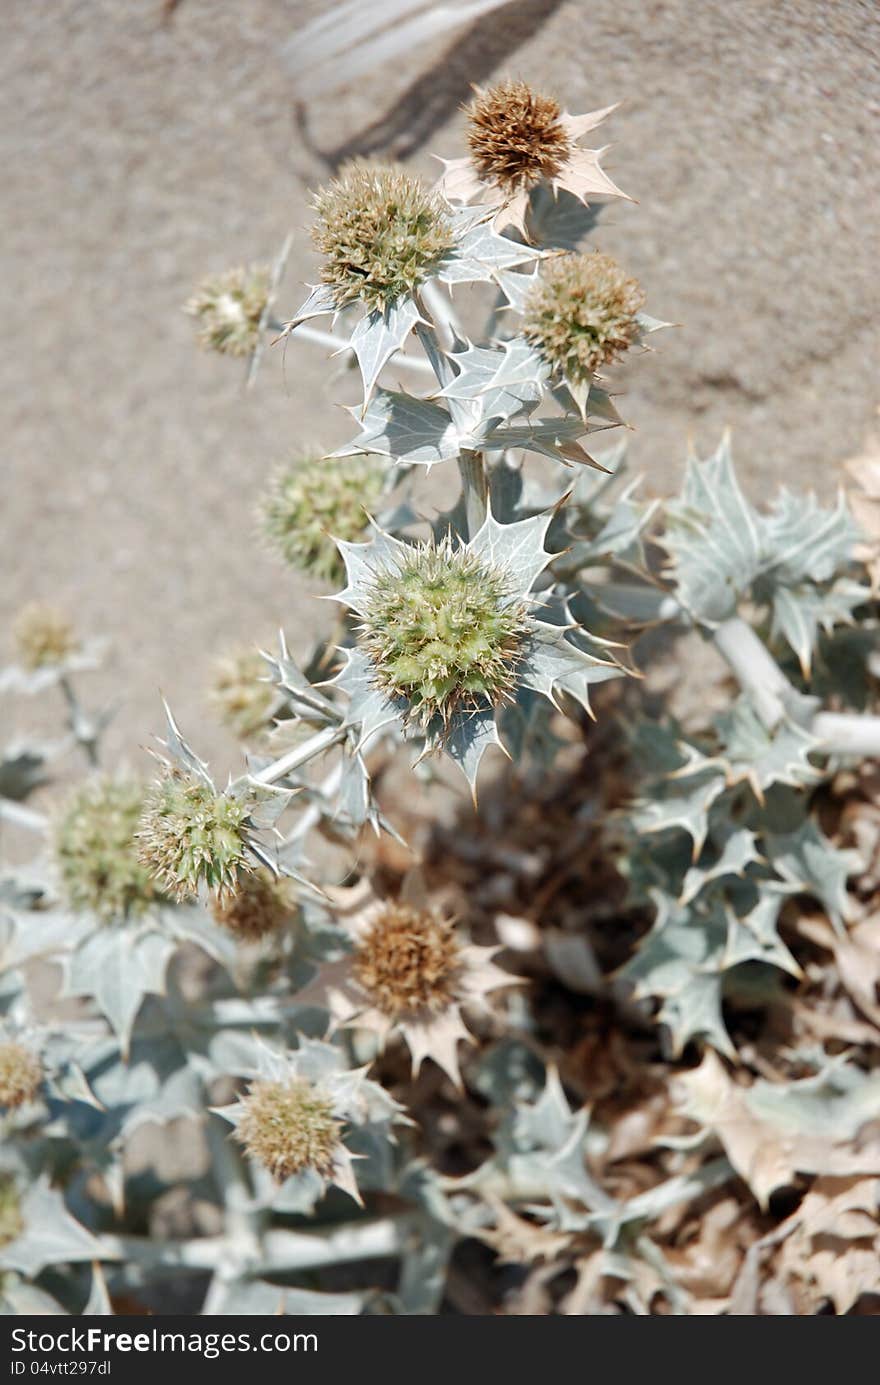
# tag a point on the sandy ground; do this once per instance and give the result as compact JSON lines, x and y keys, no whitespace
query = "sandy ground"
{"x":138,"y":155}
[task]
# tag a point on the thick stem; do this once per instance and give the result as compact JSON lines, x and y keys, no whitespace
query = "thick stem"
{"x":337,"y":344}
{"x":300,"y":755}
{"x":281,"y":1250}
{"x":475,"y":488}
{"x":773,"y":696}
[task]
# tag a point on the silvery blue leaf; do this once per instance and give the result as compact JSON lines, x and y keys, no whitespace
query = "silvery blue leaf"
{"x":682,"y":805}
{"x":382,"y":552}
{"x":469,"y":738}
{"x":118,"y":967}
{"x":321,"y":300}
{"x":753,"y":937}
{"x":553,"y":664}
{"x":51,"y":1236}
{"x":518,"y":547}
{"x":369,"y":708}
{"x":516,"y":288}
{"x":406,"y":429}
{"x":560,"y":222}
{"x":482,"y":254}
{"x":739,"y":851}
{"x":556,"y":438}
{"x":714,"y":538}
{"x":800,"y":612}
{"x":181,"y":752}
{"x":808,"y":861}
{"x":805,"y":541}
{"x":378,"y":336}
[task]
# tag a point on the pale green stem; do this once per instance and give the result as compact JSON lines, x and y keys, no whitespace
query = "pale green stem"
{"x":300,"y":755}
{"x":475,"y":486}
{"x":281,"y":1251}
{"x":339,"y":344}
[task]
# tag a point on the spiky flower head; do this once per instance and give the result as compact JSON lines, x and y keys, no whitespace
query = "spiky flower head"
{"x":259,"y":907}
{"x":11,"y":1219}
{"x":242,"y":692}
{"x":516,"y":136}
{"x":442,"y":632}
{"x":582,"y":314}
{"x":43,"y":636}
{"x":191,"y":835}
{"x":381,"y":231}
{"x":315,"y":500}
{"x":410,"y":973}
{"x":289,"y":1126}
{"x":229,"y":308}
{"x":21,"y":1075}
{"x":299,"y":1110}
{"x":96,"y":852}
{"x":519,"y":138}
{"x":449,"y":637}
{"x":408,"y":960}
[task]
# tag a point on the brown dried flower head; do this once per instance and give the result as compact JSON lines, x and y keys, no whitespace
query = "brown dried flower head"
{"x":582,"y":313}
{"x":518,"y":140}
{"x":21,"y":1075}
{"x":408,"y":961}
{"x":409,"y":973}
{"x":290,"y":1126}
{"x":516,"y":136}
{"x":257,"y":908}
{"x":43,"y":636}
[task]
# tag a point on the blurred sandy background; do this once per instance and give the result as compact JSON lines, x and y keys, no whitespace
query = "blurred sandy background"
{"x":142,"y":149}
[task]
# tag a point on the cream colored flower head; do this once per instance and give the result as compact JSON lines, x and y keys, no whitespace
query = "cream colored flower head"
{"x":300,"y":1109}
{"x":410,"y":974}
{"x":518,"y":139}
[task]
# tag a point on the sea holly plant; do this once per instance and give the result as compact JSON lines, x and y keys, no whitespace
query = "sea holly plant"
{"x":332,"y":1045}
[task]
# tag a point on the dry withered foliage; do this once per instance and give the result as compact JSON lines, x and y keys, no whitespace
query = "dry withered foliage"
{"x":791,"y":1225}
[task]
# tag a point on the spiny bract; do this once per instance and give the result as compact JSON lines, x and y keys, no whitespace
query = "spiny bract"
{"x":582,"y":313}
{"x":289,"y":1126}
{"x":229,"y":307}
{"x":314,"y":499}
{"x":516,"y":136}
{"x":381,"y":232}
{"x":442,"y":632}
{"x":96,"y":852}
{"x":259,"y":907}
{"x":191,"y":835}
{"x":21,"y":1075}
{"x":43,"y":636}
{"x":242,"y":693}
{"x":407,"y":961}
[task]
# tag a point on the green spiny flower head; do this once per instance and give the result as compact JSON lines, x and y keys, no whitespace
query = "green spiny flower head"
{"x":582,"y":314}
{"x":43,"y":636}
{"x":289,"y":1126}
{"x":96,"y":853}
{"x":451,"y":634}
{"x":442,"y":632}
{"x":11,"y":1219}
{"x":242,"y":693}
{"x":228,"y":308}
{"x":315,"y":500}
{"x":21,"y":1075}
{"x":381,"y":232}
{"x":191,"y":835}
